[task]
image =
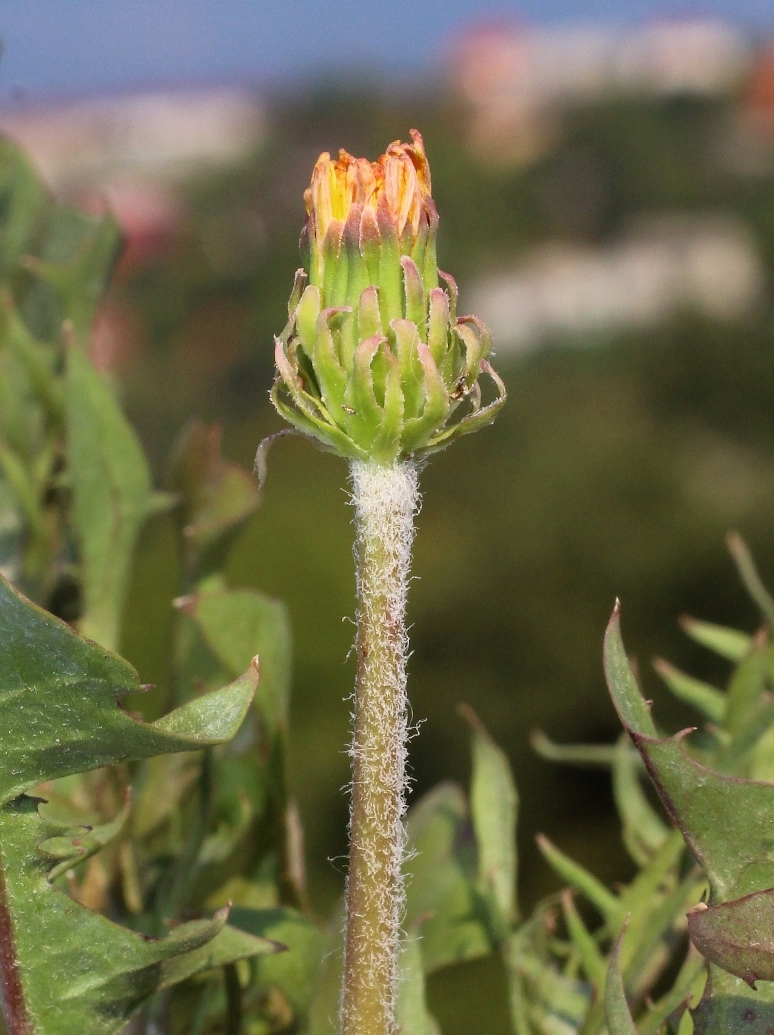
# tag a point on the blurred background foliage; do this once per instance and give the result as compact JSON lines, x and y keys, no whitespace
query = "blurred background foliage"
{"x":623,"y":456}
{"x":616,"y":469}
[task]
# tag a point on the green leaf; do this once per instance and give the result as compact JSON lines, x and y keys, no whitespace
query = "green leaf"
{"x":578,"y":877}
{"x":22,"y":420}
{"x":19,"y":479}
{"x":543,"y":999}
{"x":738,"y":753}
{"x":762,"y":759}
{"x":149,"y":624}
{"x":59,"y":710}
{"x":216,"y":496}
{"x":10,"y":533}
{"x":619,"y":1018}
{"x":726,"y":821}
{"x":23,"y":202}
{"x":687,"y":989}
{"x":593,"y":755}
{"x":494,"y":805}
{"x":77,"y":260}
{"x":229,"y":945}
{"x":231,"y":625}
{"x":644,"y":832}
{"x":729,"y":1008}
{"x":292,"y":972}
{"x":240,"y":623}
{"x":411,"y":1015}
{"x":747,"y":687}
{"x":749,"y":574}
{"x":111,"y":495}
{"x":707,"y":699}
{"x":215,"y":716}
{"x":657,"y":927}
{"x":737,"y":936}
{"x":63,"y":968}
{"x":517,"y":1000}
{"x":324,"y":1007}
{"x":442,"y":892}
{"x":585,"y":944}
{"x":728,"y":643}
{"x":37,"y":359}
{"x":160,"y":786}
{"x":73,"y":846}
{"x":655,"y":903}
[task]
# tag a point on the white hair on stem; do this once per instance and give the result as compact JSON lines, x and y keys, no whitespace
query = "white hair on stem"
{"x":385,"y":500}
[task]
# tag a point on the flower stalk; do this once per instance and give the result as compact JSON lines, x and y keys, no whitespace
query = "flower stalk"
{"x":376,"y":365}
{"x":385,"y":500}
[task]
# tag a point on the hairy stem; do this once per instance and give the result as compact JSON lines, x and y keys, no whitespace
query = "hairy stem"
{"x":385,"y":501}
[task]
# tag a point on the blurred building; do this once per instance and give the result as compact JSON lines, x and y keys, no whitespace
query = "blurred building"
{"x":664,"y":266}
{"x":758,"y":99}
{"x":164,"y":135}
{"x":513,"y":79}
{"x":131,"y":151}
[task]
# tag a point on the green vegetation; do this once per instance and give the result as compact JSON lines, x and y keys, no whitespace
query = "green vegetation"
{"x":615,"y":469}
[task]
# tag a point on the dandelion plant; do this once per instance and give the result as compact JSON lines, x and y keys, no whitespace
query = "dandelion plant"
{"x":376,"y":366}
{"x":152,"y":874}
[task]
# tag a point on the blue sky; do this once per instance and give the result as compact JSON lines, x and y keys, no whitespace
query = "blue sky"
{"x":80,"y":46}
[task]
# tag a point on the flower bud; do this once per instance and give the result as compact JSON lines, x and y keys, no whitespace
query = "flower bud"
{"x":374,"y":361}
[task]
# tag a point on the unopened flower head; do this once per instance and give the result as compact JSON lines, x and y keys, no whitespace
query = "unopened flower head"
{"x":374,"y":360}
{"x":357,"y":204}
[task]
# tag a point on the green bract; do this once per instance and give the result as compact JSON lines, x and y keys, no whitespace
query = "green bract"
{"x":374,"y":360}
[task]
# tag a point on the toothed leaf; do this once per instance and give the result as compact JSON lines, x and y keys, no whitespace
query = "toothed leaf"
{"x":64,"y":968}
{"x":494,"y":807}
